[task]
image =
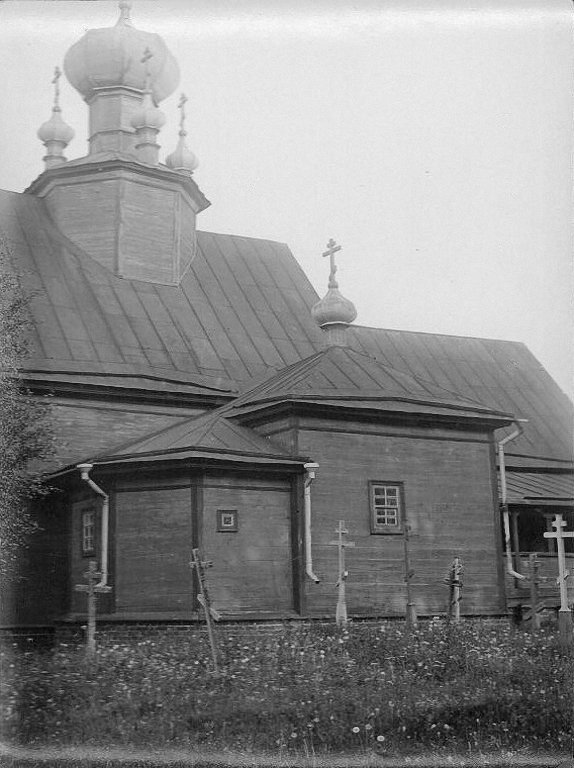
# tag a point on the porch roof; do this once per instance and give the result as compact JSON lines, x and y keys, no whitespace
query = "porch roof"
{"x":541,"y":489}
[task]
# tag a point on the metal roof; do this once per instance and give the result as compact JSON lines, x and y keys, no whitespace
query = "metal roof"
{"x":541,"y":489}
{"x":241,"y":313}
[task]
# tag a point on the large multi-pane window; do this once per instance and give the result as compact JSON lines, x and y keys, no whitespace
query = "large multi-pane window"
{"x":386,"y":507}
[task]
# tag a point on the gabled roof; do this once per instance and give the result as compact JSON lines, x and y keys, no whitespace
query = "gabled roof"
{"x":340,"y":376}
{"x":241,"y":312}
{"x":211,"y":436}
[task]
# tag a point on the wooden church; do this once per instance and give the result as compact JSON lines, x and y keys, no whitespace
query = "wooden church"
{"x":206,"y":397}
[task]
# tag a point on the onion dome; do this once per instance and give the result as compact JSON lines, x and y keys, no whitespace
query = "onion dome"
{"x":333,"y":313}
{"x":55,"y":133}
{"x":111,"y":57}
{"x":334,"y":308}
{"x":182,"y":158}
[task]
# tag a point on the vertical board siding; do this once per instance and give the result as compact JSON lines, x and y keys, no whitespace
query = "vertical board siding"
{"x":154,"y":542}
{"x":252,"y":568}
{"x":449,"y":504}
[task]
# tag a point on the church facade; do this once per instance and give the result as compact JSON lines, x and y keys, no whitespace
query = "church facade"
{"x":206,"y":398}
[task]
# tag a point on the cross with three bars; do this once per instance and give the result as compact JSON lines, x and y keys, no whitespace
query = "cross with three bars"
{"x":332,"y":249}
{"x":341,"y":613}
{"x":203,"y":598}
{"x":559,"y":534}
{"x":93,"y":589}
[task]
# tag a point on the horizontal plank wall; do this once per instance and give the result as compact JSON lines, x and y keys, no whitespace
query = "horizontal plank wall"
{"x":153,"y":531}
{"x":86,"y":428}
{"x":252,"y":567}
{"x":449,"y":504}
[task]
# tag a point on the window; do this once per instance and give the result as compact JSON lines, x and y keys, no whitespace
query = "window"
{"x":386,"y":503}
{"x":88,"y":532}
{"x":227,"y":520}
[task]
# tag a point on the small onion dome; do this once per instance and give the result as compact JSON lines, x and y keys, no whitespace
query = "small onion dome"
{"x":55,"y":129}
{"x":182,"y":159}
{"x":111,"y":56}
{"x":148,"y":115}
{"x":334,"y":308}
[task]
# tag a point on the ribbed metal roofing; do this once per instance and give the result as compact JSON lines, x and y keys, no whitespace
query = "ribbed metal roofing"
{"x":242,"y":312}
{"x":534,"y":488}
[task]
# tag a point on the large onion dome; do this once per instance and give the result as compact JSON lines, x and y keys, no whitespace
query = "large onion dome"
{"x":111,"y":56}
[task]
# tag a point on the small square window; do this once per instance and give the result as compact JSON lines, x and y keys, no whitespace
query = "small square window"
{"x":88,"y":532}
{"x":227,"y":521}
{"x":386,"y":507}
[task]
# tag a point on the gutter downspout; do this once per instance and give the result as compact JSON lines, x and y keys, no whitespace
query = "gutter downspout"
{"x":85,"y":474}
{"x":504,"y":503}
{"x":309,"y":477}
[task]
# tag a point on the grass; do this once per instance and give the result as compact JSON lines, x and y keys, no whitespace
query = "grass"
{"x":373,"y":689}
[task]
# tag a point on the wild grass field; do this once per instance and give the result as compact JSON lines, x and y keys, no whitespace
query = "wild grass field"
{"x":308,"y":689}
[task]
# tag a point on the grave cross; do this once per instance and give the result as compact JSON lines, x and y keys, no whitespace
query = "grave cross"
{"x":203,"y":598}
{"x":559,"y":534}
{"x":455,"y":589}
{"x":564,"y":614}
{"x":93,"y":589}
{"x":332,"y":249}
{"x":341,"y":612}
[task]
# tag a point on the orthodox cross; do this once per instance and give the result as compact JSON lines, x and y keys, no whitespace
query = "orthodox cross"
{"x":332,"y":249}
{"x":181,"y":106}
{"x":147,"y":55}
{"x":559,"y":534}
{"x":341,"y":612}
{"x":93,"y":589}
{"x":125,"y":7}
{"x":56,"y":84}
{"x":203,"y":598}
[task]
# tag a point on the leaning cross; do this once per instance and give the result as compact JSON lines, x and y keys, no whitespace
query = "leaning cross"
{"x":559,"y":534}
{"x":332,"y":249}
{"x":203,"y":598}
{"x":341,"y":612}
{"x":93,"y":588}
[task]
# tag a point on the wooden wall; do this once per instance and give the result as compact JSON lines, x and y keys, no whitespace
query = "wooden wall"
{"x":86,"y":428}
{"x":450,"y":506}
{"x":252,"y":568}
{"x":153,"y":533}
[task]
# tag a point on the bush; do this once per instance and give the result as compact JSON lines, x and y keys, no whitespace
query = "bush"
{"x":309,"y":688}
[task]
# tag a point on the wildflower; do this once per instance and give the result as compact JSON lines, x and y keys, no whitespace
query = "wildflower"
{"x":380,"y":738}
{"x":293,"y":735}
{"x":356,"y":729}
{"x":368,"y":727}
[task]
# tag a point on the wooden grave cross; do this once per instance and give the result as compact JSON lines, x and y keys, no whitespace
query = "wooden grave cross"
{"x":455,"y":588}
{"x":341,"y":612}
{"x":332,"y":249}
{"x":93,"y":589}
{"x":203,"y":598}
{"x":559,"y":534}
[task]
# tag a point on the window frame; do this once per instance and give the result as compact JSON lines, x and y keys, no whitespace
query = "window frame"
{"x":221,"y":528}
{"x":379,"y":529}
{"x":89,"y":512}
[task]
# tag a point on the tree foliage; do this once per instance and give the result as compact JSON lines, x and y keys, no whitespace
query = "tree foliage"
{"x":26,"y":437}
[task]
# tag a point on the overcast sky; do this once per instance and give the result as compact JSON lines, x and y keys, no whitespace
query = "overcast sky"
{"x":433,"y":140}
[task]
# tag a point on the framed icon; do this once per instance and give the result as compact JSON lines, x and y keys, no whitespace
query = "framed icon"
{"x":227,"y":521}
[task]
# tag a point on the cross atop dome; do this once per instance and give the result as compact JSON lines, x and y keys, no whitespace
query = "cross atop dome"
{"x":333,"y":313}
{"x":125,"y":7}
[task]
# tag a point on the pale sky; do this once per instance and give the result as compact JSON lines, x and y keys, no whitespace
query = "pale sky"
{"x":433,"y":140}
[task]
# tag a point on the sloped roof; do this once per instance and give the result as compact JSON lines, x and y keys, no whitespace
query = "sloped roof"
{"x":210,"y":436}
{"x":542,"y":489}
{"x":241,"y":312}
{"x":343,"y":377}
